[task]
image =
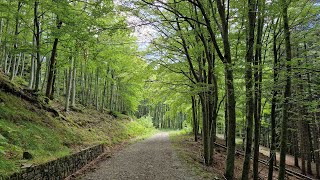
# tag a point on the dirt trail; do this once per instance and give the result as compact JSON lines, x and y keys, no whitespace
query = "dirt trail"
{"x":151,"y":159}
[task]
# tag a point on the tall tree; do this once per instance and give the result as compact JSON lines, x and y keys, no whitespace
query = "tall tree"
{"x":287,"y":91}
{"x":249,"y":88}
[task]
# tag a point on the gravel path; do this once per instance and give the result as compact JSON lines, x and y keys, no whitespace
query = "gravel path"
{"x":150,"y":159}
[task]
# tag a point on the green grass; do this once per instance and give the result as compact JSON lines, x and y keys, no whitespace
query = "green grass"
{"x":188,"y":154}
{"x":12,"y":108}
{"x":42,"y":142}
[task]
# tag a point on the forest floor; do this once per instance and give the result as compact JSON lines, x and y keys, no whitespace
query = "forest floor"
{"x":265,"y":153}
{"x":191,"y":153}
{"x":153,"y":158}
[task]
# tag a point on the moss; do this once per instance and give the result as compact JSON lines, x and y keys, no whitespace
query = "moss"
{"x":14,"y":108}
{"x":42,"y":142}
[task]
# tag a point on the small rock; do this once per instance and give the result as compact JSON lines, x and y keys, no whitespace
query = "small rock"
{"x":27,"y":155}
{"x":26,"y":165}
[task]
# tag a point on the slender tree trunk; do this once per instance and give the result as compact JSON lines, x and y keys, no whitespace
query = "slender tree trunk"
{"x":1,"y":32}
{"x":296,"y":149}
{"x":52,"y":65}
{"x":309,"y":146}
{"x":10,"y":56}
{"x":194,"y":118}
{"x":31,"y":80}
{"x":226,"y":117}
{"x":315,"y":128}
{"x":316,"y":145}
{"x":15,"y":46}
{"x":104,"y":94}
{"x":6,"y":51}
{"x":37,"y":42}
{"x":97,"y":89}
{"x":83,"y":82}
{"x":309,"y":130}
{"x":273,"y":105}
{"x":213,"y":102}
{"x":74,"y":75}
{"x":249,"y":90}
{"x":302,"y":145}
{"x":13,"y":66}
{"x":58,"y":86}
{"x":231,"y":125}
{"x":44,"y":76}
{"x":5,"y":58}
{"x":287,"y":91}
{"x":257,"y":87}
{"x":65,"y":81}
{"x":19,"y":60}
{"x":205,"y":127}
{"x":111,"y":91}
{"x":67,"y":102}
{"x":22,"y":65}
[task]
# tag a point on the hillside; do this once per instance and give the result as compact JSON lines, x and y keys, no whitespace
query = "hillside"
{"x":28,"y":124}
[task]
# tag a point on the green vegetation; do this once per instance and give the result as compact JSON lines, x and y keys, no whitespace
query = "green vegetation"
{"x":188,"y":153}
{"x":23,"y":127}
{"x":247,"y":69}
{"x":141,"y":128}
{"x":42,"y":142}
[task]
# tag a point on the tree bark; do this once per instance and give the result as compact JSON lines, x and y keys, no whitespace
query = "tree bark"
{"x":97,"y":89}
{"x":258,"y":90}
{"x":194,"y":118}
{"x":249,"y":90}
{"x":37,"y":42}
{"x":274,"y":104}
{"x":69,"y":87}
{"x":13,"y":63}
{"x":287,"y":91}
{"x":52,"y":65}
{"x":74,"y":76}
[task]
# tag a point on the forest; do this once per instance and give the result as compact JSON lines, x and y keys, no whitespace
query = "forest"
{"x":246,"y":69}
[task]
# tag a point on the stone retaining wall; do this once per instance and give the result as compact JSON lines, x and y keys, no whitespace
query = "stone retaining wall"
{"x":60,"y":168}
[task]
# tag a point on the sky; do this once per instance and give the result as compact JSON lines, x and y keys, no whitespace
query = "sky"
{"x":144,"y":33}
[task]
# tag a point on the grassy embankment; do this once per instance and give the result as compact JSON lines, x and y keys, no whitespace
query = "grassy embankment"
{"x":25,"y":127}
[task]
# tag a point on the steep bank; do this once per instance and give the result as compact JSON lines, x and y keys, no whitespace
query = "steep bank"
{"x":28,"y":124}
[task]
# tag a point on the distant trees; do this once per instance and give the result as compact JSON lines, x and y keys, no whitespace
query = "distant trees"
{"x":78,"y":51}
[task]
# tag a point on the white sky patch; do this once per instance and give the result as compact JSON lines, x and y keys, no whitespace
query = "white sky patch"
{"x":142,"y":31}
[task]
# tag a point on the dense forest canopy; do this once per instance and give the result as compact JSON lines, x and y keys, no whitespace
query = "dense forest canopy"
{"x":246,"y":69}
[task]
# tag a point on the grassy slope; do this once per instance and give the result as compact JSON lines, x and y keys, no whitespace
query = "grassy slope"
{"x":24,"y":127}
